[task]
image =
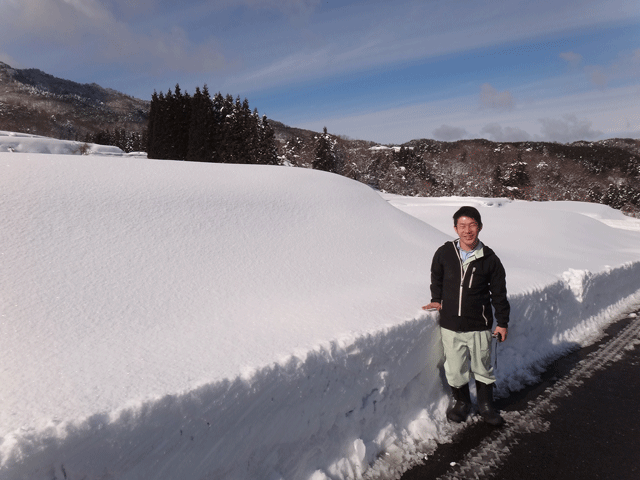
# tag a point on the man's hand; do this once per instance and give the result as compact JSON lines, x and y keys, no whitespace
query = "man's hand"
{"x":502,"y":331}
{"x":432,"y":306}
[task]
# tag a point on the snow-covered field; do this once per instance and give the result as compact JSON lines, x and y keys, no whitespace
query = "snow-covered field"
{"x":14,"y":142}
{"x":173,"y":320}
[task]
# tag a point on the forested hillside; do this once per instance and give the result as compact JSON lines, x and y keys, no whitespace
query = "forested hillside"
{"x":32,"y":101}
{"x":606,"y":171}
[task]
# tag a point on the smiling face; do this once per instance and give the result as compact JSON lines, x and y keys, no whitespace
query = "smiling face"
{"x":468,"y":230}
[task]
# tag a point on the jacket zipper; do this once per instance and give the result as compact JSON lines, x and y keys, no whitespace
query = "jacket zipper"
{"x":461,"y":283}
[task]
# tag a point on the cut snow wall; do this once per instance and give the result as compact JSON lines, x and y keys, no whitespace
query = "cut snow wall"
{"x":554,"y":320}
{"x":329,"y":415}
{"x":284,"y":421}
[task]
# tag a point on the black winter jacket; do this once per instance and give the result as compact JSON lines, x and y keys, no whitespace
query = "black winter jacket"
{"x":466,"y":300}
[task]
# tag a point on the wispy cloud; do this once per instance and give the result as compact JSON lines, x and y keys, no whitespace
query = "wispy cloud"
{"x":94,"y":34}
{"x":624,"y":66}
{"x":311,"y":48}
{"x":572,"y":58}
{"x":597,"y":76}
{"x":498,"y":133}
{"x":293,"y":8}
{"x":367,"y":35}
{"x":586,"y":116}
{"x":491,"y":98}
{"x":349,"y":37}
{"x":449,"y":133}
{"x":568,"y":128}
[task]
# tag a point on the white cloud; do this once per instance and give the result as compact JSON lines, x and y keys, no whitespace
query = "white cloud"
{"x":572,"y":58}
{"x":448,"y":133}
{"x":161,"y":51}
{"x":597,"y":76}
{"x":568,"y":129}
{"x":332,"y":40}
{"x":127,"y":10}
{"x":88,"y":32}
{"x":358,"y":35}
{"x":497,"y":133}
{"x":626,"y":66}
{"x":360,"y":39}
{"x":491,"y":98}
{"x":89,"y":8}
{"x":294,"y":8}
{"x":589,"y":115}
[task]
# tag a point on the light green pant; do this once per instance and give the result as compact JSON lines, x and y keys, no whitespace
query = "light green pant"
{"x":467,"y":349}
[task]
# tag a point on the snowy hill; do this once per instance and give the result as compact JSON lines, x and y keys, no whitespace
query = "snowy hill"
{"x":167,"y":320}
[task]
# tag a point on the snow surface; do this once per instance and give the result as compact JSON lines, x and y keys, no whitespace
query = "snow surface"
{"x":378,"y":148}
{"x":164,"y":319}
{"x":27,"y":143}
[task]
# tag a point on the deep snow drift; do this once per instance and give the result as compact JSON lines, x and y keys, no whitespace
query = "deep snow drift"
{"x":26,"y":143}
{"x":172,"y":320}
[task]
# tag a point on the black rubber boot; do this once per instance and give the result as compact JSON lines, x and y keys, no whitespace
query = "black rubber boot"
{"x":485,"y":404}
{"x":460,"y":410}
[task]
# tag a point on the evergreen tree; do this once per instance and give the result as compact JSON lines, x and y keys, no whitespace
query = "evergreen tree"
{"x":169,"y":126}
{"x":200,"y":111}
{"x":241,"y":132}
{"x":253,"y":137}
{"x":152,"y":126}
{"x":324,"y":153}
{"x":267,"y":151}
{"x":179,"y":124}
{"x":226,"y":151}
{"x":200,"y":128}
{"x":216,"y":131}
{"x":158,"y":140}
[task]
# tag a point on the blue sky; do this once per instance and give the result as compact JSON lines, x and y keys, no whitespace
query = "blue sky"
{"x":375,"y":70}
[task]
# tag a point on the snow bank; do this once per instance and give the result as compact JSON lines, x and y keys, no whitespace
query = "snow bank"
{"x":183,"y":320}
{"x":26,"y":143}
{"x":138,"y":284}
{"x":572,"y":269}
{"x":379,"y":148}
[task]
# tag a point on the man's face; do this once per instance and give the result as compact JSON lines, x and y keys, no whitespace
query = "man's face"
{"x":468,"y":230}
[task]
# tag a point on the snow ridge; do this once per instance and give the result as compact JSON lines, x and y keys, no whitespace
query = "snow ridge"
{"x":184,"y":320}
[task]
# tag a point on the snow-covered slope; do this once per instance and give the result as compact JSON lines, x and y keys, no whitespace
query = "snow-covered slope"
{"x":26,"y":143}
{"x":171,"y":320}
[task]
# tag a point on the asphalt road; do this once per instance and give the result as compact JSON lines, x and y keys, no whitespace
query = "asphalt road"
{"x":582,"y":421}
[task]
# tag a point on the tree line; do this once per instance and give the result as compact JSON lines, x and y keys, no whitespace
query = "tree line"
{"x":202,"y":128}
{"x":126,"y":141}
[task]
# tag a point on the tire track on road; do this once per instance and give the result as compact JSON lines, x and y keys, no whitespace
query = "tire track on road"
{"x":486,"y":457}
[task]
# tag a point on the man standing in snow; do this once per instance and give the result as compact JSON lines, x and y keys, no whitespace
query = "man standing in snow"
{"x":467,"y":280}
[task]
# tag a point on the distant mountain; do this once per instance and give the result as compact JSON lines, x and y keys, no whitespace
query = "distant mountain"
{"x":33,"y":101}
